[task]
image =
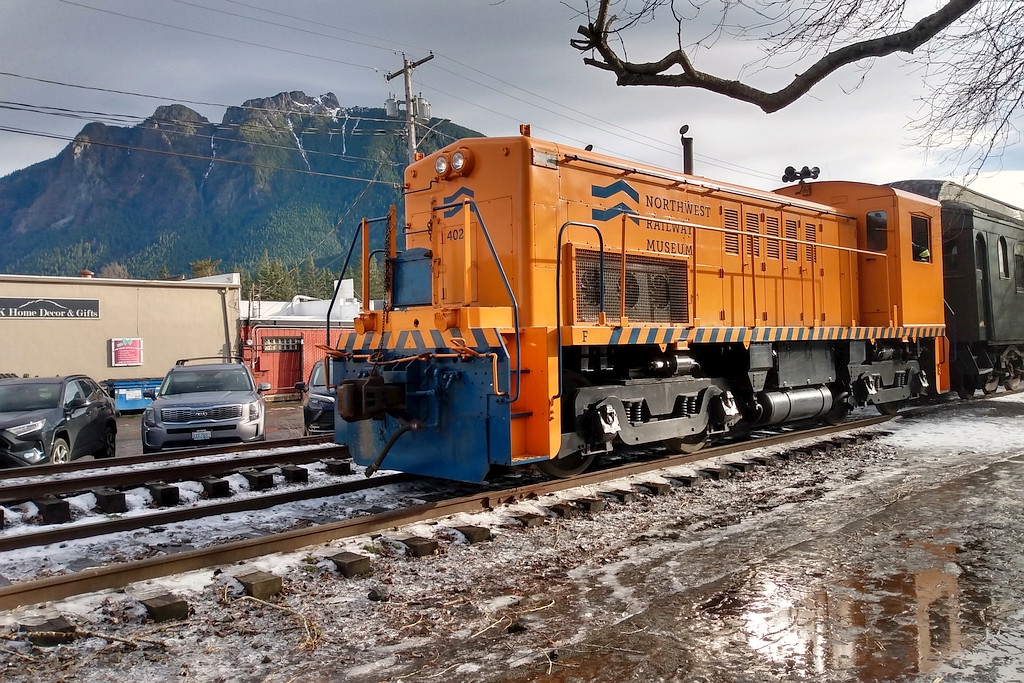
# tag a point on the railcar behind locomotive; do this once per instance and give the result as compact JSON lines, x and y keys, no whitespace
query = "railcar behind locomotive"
{"x":552,"y":302}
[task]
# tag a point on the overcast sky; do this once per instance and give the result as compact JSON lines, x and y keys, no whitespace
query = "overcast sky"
{"x":497,"y":64}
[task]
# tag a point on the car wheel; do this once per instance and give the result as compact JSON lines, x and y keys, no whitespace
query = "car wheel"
{"x":109,"y":448}
{"x":60,"y":452}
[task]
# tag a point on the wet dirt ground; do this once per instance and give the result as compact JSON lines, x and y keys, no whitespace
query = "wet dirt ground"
{"x":899,"y":559}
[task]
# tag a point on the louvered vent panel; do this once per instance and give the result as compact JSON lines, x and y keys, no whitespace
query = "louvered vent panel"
{"x":791,"y":247}
{"x":772,"y":228}
{"x":732,"y":239}
{"x":810,"y":235}
{"x":656,"y":288}
{"x":753,"y":243}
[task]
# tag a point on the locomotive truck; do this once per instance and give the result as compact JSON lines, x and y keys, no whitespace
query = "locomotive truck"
{"x":550,"y":303}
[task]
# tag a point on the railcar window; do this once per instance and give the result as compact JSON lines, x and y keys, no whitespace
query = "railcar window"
{"x":921,"y":238}
{"x":1004,"y":260}
{"x":1018,"y":266}
{"x":950,"y":255}
{"x":878,"y":230}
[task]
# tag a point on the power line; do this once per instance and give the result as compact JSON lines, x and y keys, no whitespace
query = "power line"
{"x":162,"y":98}
{"x":660,"y":146}
{"x":129,"y":119}
{"x":214,"y":35}
{"x":86,"y":141}
{"x":640,"y":138}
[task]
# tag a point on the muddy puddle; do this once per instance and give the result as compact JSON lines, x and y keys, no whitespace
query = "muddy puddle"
{"x":929,"y":589}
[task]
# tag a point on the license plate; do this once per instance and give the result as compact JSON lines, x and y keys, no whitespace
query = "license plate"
{"x":201,"y":435}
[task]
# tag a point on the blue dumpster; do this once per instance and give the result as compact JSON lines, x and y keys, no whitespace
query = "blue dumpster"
{"x":128,"y":393}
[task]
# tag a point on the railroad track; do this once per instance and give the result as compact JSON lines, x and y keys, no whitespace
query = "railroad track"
{"x":122,"y":474}
{"x":35,"y":485}
{"x":120,"y":575}
{"x":163,"y":456}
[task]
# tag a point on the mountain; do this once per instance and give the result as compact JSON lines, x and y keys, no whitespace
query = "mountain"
{"x":286,"y":175}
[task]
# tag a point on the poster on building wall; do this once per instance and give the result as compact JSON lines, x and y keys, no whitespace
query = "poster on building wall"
{"x":125,"y":352}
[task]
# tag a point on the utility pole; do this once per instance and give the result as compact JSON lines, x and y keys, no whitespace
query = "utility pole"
{"x":410,"y":107}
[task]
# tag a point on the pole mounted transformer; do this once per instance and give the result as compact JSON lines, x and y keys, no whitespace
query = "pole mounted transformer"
{"x":416,"y":109}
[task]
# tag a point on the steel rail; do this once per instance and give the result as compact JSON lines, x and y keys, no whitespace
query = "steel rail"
{"x":190,"y":470}
{"x":71,"y":532}
{"x":162,"y":456}
{"x":119,"y":576}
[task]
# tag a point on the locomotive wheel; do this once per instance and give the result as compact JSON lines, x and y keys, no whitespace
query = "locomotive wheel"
{"x":991,"y":384}
{"x":1012,"y":383}
{"x":890,"y":408}
{"x":837,"y":414}
{"x":687,"y":444}
{"x":966,"y":387}
{"x":574,"y":463}
{"x":569,"y":466}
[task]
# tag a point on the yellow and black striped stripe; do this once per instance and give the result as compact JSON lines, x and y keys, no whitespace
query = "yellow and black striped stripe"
{"x":411,"y":342}
{"x":614,"y":336}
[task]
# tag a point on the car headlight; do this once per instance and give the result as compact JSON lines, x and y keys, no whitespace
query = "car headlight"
{"x":254,"y":410}
{"x":321,"y":403}
{"x":27,"y":428}
{"x":149,"y":417}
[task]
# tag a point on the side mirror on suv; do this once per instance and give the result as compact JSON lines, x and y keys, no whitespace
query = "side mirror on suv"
{"x":76,"y":403}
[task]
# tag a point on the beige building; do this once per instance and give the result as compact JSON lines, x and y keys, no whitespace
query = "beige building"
{"x":112,"y":328}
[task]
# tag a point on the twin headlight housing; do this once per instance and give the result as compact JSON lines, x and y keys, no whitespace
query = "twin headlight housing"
{"x":458,"y":163}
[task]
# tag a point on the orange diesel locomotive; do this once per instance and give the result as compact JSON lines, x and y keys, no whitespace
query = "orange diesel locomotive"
{"x":552,"y":302}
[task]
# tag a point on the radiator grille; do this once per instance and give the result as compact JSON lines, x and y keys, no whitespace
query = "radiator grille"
{"x":200,"y":413}
{"x":656,"y":288}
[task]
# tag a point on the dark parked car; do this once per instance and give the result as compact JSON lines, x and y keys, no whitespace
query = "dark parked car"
{"x":199,"y":404}
{"x":55,"y":419}
{"x":318,"y":408}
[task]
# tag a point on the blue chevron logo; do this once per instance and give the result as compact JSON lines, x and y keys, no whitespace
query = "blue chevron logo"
{"x":615,"y":188}
{"x":619,"y":186}
{"x":462,"y":192}
{"x":608,"y":214}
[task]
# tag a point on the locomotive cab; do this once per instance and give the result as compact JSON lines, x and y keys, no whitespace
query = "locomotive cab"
{"x":899,"y":241}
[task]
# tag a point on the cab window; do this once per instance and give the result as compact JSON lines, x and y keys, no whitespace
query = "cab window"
{"x":921,"y":238}
{"x":878,"y":230}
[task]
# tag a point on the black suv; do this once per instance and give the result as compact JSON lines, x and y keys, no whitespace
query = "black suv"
{"x":55,"y":419}
{"x":318,"y":408}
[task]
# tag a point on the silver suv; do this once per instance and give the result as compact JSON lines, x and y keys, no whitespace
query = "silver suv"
{"x":199,"y":404}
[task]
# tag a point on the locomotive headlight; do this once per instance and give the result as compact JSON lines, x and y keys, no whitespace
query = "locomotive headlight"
{"x":441,"y":165}
{"x":462,"y":161}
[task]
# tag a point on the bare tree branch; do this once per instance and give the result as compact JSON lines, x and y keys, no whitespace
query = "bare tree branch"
{"x":799,"y":27}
